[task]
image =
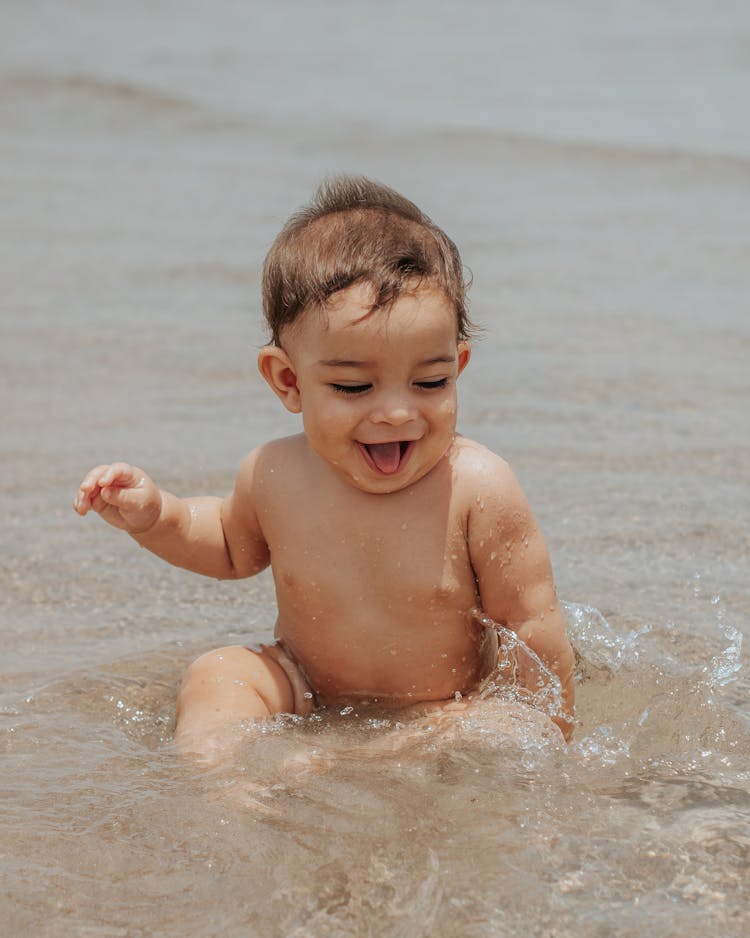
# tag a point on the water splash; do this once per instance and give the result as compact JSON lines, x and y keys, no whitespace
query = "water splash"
{"x":724,"y":667}
{"x":514,"y":659}
{"x":597,"y":642}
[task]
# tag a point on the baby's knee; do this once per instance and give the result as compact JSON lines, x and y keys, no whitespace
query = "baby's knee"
{"x":237,"y":681}
{"x":220,"y":690}
{"x":213,"y":665}
{"x":211,"y":668}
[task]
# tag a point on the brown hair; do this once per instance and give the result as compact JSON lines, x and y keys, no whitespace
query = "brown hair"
{"x":354,"y":230}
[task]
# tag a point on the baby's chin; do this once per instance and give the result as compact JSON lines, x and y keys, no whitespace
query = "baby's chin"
{"x":386,"y":484}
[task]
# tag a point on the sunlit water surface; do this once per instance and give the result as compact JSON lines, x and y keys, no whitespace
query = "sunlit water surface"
{"x":594,"y":167}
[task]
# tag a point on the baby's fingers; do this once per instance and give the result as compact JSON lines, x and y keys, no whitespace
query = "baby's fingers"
{"x":122,"y":475}
{"x":88,"y":489}
{"x":118,"y":474}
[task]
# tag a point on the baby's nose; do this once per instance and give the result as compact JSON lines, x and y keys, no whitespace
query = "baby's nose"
{"x":393,"y":409}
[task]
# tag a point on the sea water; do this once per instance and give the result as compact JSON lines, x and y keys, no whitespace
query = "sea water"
{"x":593,"y":163}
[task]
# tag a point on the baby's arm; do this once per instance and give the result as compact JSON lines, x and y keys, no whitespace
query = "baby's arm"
{"x":515,"y":579}
{"x":213,"y":536}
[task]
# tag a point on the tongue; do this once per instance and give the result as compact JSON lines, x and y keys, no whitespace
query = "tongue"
{"x":386,"y":456}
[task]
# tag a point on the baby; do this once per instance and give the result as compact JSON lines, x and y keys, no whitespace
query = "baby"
{"x":385,"y":531}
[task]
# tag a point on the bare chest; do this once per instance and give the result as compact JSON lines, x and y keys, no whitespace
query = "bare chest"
{"x":384,"y":554}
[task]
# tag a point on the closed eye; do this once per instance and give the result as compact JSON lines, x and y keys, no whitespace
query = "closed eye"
{"x":351,"y":388}
{"x":429,"y":385}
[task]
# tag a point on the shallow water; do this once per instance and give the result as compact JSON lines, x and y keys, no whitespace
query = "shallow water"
{"x":594,"y":167}
{"x":349,"y":825}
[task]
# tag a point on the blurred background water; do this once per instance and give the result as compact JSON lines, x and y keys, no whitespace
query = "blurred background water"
{"x":592,"y":161}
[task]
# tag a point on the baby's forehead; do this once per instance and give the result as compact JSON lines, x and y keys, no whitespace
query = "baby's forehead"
{"x":357,"y":305}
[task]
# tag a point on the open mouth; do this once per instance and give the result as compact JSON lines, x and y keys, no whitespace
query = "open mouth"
{"x":387,"y":458}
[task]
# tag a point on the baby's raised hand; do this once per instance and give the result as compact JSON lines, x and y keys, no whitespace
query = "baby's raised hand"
{"x":122,"y":494}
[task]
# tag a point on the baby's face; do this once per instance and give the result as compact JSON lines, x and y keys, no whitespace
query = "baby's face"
{"x":378,"y":389}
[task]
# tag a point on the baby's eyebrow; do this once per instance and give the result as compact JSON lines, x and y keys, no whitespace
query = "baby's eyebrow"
{"x":352,"y":363}
{"x":345,"y":363}
{"x":438,"y":360}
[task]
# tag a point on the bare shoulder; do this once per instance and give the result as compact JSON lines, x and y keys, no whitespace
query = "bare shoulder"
{"x":259,"y":485}
{"x":269,"y":462}
{"x":481,"y":474}
{"x":506,"y":546}
{"x":490,"y":497}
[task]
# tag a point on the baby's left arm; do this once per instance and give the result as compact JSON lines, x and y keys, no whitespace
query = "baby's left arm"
{"x":514,"y":577}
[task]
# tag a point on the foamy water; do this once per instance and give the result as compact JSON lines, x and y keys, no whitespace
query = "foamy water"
{"x":594,"y":166}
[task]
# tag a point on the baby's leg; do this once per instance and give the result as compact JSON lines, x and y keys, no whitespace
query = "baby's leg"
{"x":225,"y":688}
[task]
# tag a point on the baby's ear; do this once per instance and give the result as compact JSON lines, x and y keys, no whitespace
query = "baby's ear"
{"x":275,"y":366}
{"x":464,"y":354}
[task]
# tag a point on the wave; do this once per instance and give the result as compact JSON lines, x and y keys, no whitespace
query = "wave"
{"x":37,"y":85}
{"x":119,"y":99}
{"x":494,"y":143}
{"x":82,"y":102}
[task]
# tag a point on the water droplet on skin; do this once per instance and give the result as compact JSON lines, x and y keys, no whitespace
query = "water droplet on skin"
{"x":457,"y":696}
{"x":493,"y":555}
{"x":346,"y":711}
{"x":308,"y":695}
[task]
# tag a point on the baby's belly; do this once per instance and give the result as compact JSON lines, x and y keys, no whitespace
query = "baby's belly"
{"x":387,"y":662}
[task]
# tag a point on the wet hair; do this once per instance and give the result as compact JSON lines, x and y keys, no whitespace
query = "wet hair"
{"x":357,"y":230}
